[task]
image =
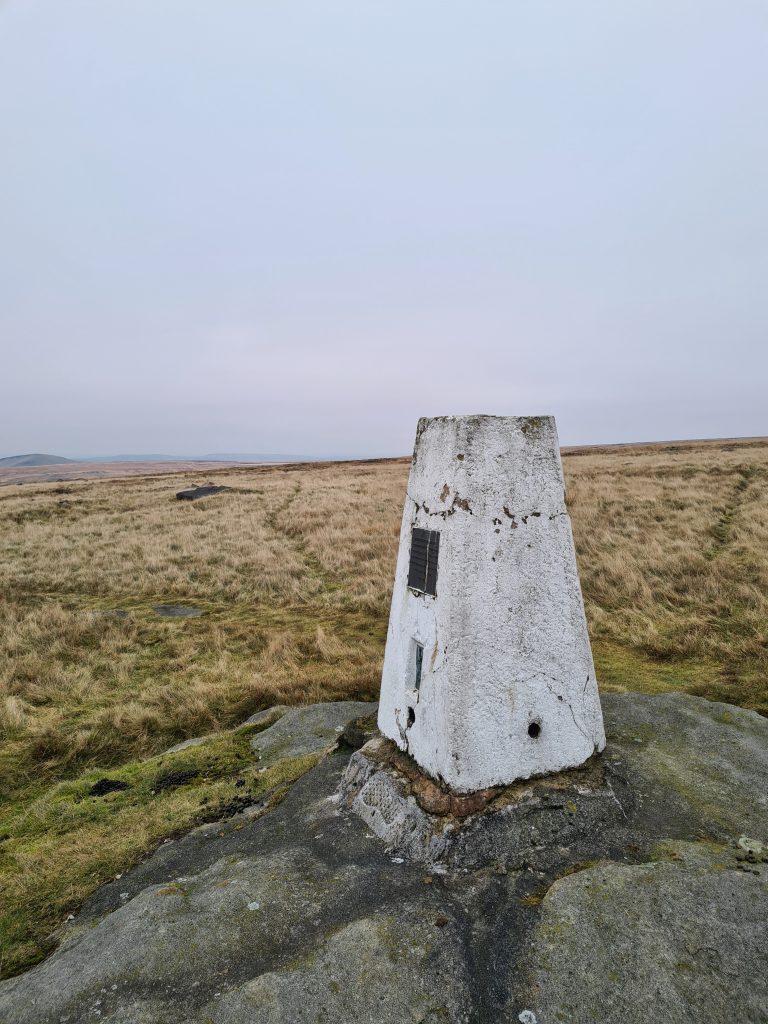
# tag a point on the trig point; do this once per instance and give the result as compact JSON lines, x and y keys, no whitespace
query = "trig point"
{"x":488,"y":673}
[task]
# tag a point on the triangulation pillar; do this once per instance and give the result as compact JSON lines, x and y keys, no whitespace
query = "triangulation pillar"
{"x":488,"y":673}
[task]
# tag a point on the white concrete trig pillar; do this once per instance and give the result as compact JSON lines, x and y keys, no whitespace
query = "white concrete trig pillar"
{"x":488,"y":674}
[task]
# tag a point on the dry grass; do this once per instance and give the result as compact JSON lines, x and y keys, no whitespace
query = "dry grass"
{"x":293,"y":570}
{"x":673,"y":553}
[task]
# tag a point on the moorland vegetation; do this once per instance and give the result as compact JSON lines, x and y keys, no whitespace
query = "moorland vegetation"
{"x":292,"y":569}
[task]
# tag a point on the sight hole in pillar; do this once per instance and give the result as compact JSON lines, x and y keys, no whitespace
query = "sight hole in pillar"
{"x":534,"y":729}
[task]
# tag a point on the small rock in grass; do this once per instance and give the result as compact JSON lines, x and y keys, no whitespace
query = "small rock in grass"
{"x":193,"y":493}
{"x":177,"y":611}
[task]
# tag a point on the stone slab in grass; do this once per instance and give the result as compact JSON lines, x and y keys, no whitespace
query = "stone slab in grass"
{"x":177,"y":611}
{"x":195,"y":493}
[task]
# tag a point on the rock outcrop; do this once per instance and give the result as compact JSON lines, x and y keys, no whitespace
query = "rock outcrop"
{"x":657,"y":909}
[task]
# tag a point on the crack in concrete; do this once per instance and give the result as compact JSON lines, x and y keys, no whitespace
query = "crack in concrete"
{"x":560,"y":697}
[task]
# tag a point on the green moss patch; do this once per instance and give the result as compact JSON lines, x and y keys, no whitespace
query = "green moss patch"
{"x":59,"y":848}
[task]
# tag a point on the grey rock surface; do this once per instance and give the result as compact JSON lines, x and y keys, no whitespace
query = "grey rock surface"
{"x":703,"y":757}
{"x":306,"y":730}
{"x":685,"y":938}
{"x":276,"y":711}
{"x":656,"y":913}
{"x":350,"y":977}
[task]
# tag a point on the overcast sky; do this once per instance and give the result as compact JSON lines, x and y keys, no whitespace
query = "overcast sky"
{"x":296,"y":226}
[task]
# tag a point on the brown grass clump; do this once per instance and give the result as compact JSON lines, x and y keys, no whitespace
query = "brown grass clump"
{"x":292,"y":570}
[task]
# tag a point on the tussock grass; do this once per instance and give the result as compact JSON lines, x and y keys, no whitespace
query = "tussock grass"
{"x":293,"y":570}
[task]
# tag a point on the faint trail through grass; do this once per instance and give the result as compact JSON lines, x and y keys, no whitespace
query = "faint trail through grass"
{"x":315,"y":570}
{"x":721,"y":531}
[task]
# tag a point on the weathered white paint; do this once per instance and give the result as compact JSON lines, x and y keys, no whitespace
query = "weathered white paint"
{"x":505,"y":638}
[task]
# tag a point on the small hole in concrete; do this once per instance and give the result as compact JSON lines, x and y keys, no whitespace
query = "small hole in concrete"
{"x":534,"y":729}
{"x":411,"y":717}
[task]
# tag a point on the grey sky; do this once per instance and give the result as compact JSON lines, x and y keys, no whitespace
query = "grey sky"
{"x":297,"y":226}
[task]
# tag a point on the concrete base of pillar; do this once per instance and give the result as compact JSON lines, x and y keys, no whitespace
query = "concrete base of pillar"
{"x":523,"y":825}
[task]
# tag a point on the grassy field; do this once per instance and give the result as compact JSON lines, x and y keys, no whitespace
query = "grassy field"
{"x":292,"y":570}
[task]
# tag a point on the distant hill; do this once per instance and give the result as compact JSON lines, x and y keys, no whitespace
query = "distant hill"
{"x":13,"y":461}
{"x":259,"y":457}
